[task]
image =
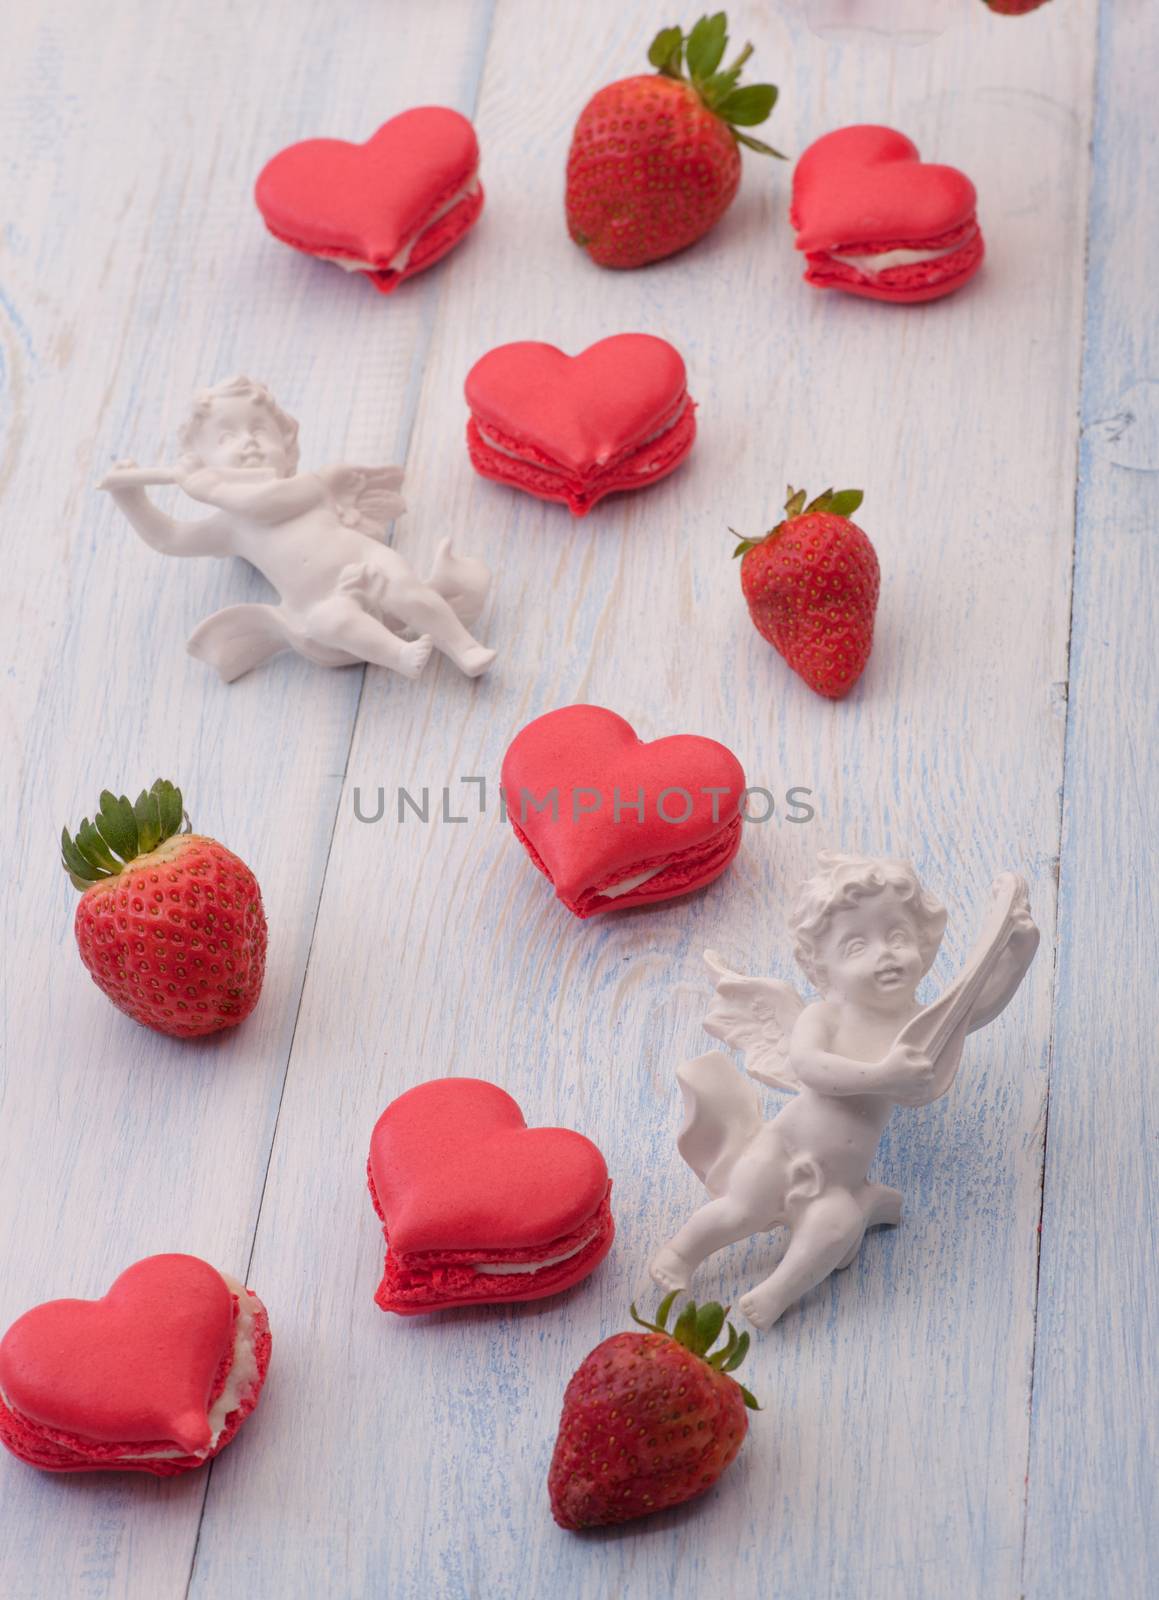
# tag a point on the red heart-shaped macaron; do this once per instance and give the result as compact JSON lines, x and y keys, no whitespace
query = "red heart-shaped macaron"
{"x":365,"y":203}
{"x":456,"y":1168}
{"x":478,"y":1208}
{"x":665,"y":813}
{"x":864,"y":191}
{"x":575,"y":428}
{"x":138,"y":1364}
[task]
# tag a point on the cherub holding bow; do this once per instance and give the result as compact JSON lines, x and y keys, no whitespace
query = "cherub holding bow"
{"x":866,"y":933}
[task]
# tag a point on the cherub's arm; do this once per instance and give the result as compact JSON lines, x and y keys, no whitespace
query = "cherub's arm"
{"x":207,"y":537}
{"x":818,"y":1067}
{"x":264,"y":498}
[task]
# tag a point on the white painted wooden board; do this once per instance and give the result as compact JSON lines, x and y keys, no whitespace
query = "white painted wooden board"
{"x":1093,"y":1522}
{"x":408,"y":1457}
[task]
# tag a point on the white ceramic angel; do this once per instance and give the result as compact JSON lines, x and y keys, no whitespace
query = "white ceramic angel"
{"x":865,"y":934}
{"x":316,"y":536}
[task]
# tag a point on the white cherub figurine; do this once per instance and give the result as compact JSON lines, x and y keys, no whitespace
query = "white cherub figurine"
{"x":316,"y":536}
{"x":865,"y":933}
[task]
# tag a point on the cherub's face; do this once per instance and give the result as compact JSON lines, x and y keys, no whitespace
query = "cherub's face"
{"x":239,"y":434}
{"x":870,"y":953}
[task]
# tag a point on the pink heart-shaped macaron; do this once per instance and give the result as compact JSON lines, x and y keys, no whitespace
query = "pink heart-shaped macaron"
{"x":583,"y":410}
{"x":875,"y":220}
{"x":389,"y":207}
{"x":615,"y":821}
{"x":137,"y":1365}
{"x":476,"y":1206}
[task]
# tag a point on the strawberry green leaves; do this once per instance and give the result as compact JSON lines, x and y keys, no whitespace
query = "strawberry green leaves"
{"x":832,"y":502}
{"x":697,"y":1328}
{"x":839,"y":503}
{"x":702,"y":51}
{"x":745,"y":545}
{"x":707,"y":1323}
{"x":729,"y":1359}
{"x":122,"y":831}
{"x":720,"y":85}
{"x":118,"y":825}
{"x":661,"y":1323}
{"x":666,"y":51}
{"x":748,"y":106}
{"x":706,"y":45}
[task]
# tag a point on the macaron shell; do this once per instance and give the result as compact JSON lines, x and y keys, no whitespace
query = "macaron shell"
{"x":578,"y":412}
{"x":431,"y":1283}
{"x":866,"y":186}
{"x":588,"y":751}
{"x":643,"y":466}
{"x":137,"y":1365}
{"x":365,"y":201}
{"x":454,"y":1167}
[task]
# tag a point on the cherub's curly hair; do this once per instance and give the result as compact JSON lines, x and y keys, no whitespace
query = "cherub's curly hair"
{"x":843,"y":881}
{"x":240,"y":388}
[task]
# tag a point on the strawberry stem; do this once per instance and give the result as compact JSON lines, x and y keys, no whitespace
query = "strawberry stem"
{"x":122,"y":831}
{"x":702,"y":51}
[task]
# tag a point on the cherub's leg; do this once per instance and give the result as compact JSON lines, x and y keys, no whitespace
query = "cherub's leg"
{"x":823,"y":1234}
{"x":463,"y":582}
{"x":341,"y":623}
{"x":881,"y":1206}
{"x":420,"y":606}
{"x":720,"y":1222}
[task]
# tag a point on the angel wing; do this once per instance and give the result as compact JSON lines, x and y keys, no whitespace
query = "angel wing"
{"x":366,"y":498}
{"x":236,"y":640}
{"x":756,"y":1017}
{"x":722,"y":1113}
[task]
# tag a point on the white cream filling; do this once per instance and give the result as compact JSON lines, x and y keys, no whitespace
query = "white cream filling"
{"x":884,"y":260}
{"x":243,"y":1374}
{"x":628,"y":884}
{"x":510,"y":1269}
{"x":513,"y":455}
{"x":401,"y":259}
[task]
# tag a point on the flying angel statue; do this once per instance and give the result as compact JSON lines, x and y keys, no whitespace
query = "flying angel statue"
{"x":318,"y":537}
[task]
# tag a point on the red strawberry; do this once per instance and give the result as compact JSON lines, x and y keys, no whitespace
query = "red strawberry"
{"x":654,"y":161}
{"x":1014,"y":8}
{"x":170,"y":924}
{"x":649,"y":1419}
{"x":811,"y":586}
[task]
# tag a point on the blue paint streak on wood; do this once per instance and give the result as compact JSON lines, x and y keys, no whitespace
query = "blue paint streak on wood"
{"x":1093,"y":1519}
